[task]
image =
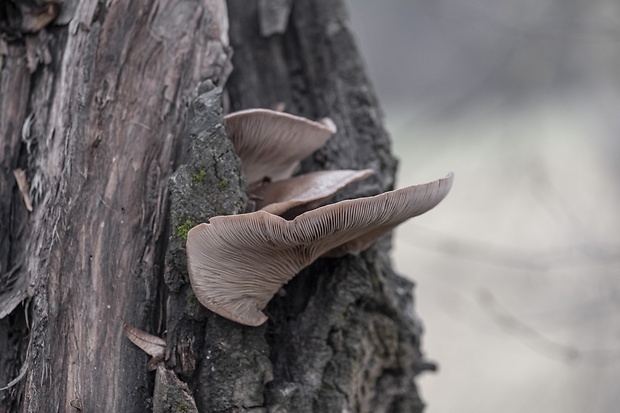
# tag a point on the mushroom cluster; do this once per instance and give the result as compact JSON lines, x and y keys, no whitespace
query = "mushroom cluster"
{"x":237,"y":263}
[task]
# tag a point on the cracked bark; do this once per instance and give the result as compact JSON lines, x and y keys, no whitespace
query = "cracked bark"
{"x":109,"y":98}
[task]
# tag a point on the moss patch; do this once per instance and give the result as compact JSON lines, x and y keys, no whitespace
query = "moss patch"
{"x":181,"y":407}
{"x":191,"y":300}
{"x":223,"y":185}
{"x":199,"y":177}
{"x":184,"y":229}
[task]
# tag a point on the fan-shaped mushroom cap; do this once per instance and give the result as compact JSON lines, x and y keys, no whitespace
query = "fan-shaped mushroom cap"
{"x":237,"y":263}
{"x":293,"y":196}
{"x":271,"y":144}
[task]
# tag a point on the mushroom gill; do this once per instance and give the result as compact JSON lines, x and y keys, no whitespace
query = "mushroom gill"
{"x":237,"y":263}
{"x":291,"y":197}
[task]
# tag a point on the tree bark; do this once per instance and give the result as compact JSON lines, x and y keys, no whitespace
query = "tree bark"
{"x":97,"y":113}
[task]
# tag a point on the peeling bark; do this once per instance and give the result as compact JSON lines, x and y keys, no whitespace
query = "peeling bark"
{"x":99,"y":108}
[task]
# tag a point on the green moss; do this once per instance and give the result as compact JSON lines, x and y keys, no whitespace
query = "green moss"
{"x":184,"y":229}
{"x":182,"y":407}
{"x":199,"y":177}
{"x":191,"y":300}
{"x":347,"y":313}
{"x":223,"y":185}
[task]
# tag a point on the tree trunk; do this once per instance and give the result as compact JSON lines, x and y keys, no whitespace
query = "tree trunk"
{"x":96,"y":108}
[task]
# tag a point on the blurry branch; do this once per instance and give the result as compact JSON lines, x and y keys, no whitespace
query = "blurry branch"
{"x":529,"y":335}
{"x":511,"y":257}
{"x":551,"y":198}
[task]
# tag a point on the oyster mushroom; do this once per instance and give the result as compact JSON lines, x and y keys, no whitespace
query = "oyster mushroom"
{"x":291,"y":197}
{"x":237,"y":263}
{"x":271,"y":144}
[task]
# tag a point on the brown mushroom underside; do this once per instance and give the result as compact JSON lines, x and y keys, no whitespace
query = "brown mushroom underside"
{"x":237,"y":263}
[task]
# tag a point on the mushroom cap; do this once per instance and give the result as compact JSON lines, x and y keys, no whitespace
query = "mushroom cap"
{"x":237,"y":263}
{"x":293,"y":196}
{"x":271,"y":144}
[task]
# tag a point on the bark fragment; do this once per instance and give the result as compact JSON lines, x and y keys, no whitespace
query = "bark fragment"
{"x":171,"y":395}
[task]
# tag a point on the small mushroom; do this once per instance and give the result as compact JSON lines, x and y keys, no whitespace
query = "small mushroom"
{"x":150,"y":344}
{"x":271,"y":144}
{"x":291,"y":197}
{"x":237,"y":263}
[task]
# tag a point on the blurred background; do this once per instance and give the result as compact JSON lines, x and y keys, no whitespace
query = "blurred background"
{"x":517,"y":270}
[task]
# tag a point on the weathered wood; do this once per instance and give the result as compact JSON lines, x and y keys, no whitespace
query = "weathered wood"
{"x":108,"y":109}
{"x":14,"y":95}
{"x":14,"y":92}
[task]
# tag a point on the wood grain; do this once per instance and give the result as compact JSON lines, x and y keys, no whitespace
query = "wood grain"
{"x":108,"y":110}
